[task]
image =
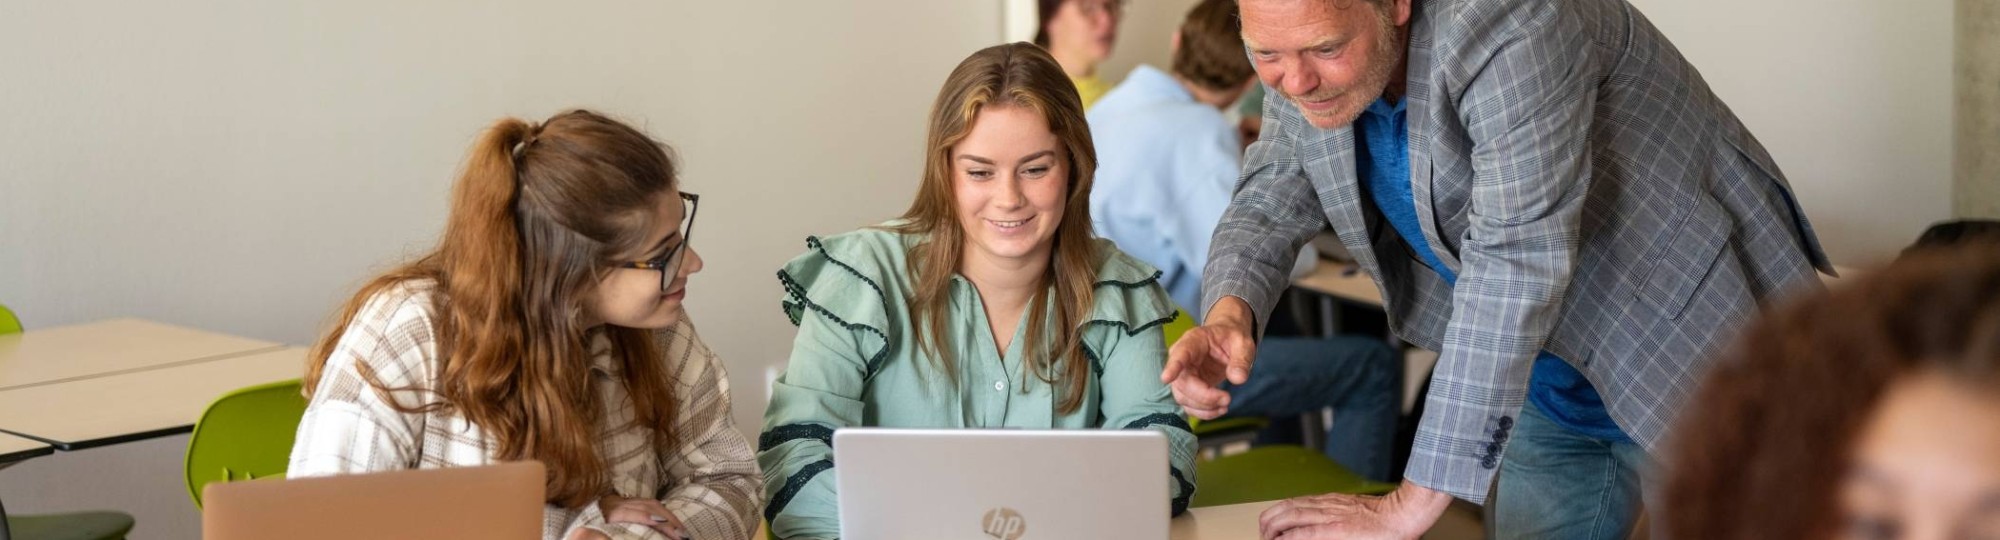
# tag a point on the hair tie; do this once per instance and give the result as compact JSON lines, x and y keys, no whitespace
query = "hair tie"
{"x":522,"y":147}
{"x":534,"y":133}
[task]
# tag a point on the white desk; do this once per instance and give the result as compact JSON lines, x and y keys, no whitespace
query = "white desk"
{"x":14,"y":449}
{"x":68,"y":353}
{"x":1231,"y":522}
{"x":1344,"y":281}
{"x":110,"y":409}
{"x":1341,"y":282}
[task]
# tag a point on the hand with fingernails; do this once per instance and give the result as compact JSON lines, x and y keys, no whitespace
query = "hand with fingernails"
{"x":639,"y":511}
{"x":1222,"y":348}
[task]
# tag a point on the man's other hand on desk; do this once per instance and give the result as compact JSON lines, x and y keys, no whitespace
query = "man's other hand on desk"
{"x":1402,"y":514}
{"x":1220,"y":349}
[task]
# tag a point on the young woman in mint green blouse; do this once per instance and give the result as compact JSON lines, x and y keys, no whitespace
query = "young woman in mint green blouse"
{"x":987,"y":305}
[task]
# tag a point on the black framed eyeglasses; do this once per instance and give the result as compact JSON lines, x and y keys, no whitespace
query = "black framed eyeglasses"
{"x":669,"y":264}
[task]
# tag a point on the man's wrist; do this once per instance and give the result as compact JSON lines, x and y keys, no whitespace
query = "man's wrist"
{"x":1231,"y":310}
{"x":1418,"y":507}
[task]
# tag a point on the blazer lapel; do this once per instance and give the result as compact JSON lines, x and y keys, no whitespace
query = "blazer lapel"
{"x":1418,"y":115}
{"x":1331,"y":169}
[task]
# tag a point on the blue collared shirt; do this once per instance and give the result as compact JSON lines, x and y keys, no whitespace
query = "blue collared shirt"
{"x":1167,"y":165}
{"x":1382,"y":160}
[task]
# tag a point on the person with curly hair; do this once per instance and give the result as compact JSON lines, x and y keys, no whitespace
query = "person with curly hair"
{"x":1872,"y":411}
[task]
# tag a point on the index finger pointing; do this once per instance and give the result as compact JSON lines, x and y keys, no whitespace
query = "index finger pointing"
{"x":1183,"y":352}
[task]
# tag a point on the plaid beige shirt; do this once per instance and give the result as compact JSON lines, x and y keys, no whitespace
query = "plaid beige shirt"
{"x":711,"y":483}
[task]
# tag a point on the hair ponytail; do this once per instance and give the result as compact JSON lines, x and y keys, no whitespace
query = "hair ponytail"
{"x":485,"y":274}
{"x":534,"y":213}
{"x":481,"y":242}
{"x":481,"y":247}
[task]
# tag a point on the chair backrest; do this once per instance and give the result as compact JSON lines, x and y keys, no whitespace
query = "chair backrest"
{"x":8,"y":324}
{"x":246,"y":434}
{"x":1957,"y":232}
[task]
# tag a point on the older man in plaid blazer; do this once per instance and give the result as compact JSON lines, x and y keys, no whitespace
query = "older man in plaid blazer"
{"x":1539,"y":187}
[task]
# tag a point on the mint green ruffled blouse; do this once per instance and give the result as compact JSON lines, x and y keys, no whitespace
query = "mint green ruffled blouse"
{"x":855,"y":362}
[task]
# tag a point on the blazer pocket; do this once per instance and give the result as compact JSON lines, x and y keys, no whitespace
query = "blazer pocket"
{"x":1686,"y":258}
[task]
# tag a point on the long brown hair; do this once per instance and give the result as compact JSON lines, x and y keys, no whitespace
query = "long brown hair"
{"x":534,"y":215}
{"x":1012,"y":75}
{"x":1764,"y":445}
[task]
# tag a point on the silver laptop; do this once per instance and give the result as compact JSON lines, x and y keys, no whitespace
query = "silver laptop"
{"x":1001,"y":484}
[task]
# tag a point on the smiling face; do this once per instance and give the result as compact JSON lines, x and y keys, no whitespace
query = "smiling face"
{"x":1927,"y":464}
{"x":1009,"y":179}
{"x":1331,"y":61}
{"x":633,"y":297}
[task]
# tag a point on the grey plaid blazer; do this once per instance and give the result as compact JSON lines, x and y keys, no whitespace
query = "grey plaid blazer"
{"x":1595,"y":198}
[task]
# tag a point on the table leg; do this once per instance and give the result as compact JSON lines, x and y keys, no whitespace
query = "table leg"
{"x":1329,"y":316}
{"x":6,"y":533}
{"x":1313,"y":428}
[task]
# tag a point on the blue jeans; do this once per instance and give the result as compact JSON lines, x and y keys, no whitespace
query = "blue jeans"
{"x":1359,"y":377}
{"x":1557,"y":483}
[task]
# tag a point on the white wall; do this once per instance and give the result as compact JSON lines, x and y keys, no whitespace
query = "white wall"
{"x":240,"y":165}
{"x":1852,"y":97}
{"x":1978,"y":134}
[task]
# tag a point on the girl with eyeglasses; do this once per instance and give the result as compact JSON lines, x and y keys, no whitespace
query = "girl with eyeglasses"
{"x":546,"y":325}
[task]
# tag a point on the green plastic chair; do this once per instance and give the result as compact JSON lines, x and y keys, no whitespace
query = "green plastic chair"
{"x":1274,"y":472}
{"x":1227,"y":425}
{"x":71,"y":526}
{"x":245,"y":434}
{"x":75,"y":526}
{"x":1180,"y":325}
{"x":8,"y":323}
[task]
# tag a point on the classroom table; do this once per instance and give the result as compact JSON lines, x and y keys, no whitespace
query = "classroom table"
{"x":15,"y":449}
{"x":62,"y":354}
{"x":1340,"y":282}
{"x":111,"y":409}
{"x":1229,"y":522}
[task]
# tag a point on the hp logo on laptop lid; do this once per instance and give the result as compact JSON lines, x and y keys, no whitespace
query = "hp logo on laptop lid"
{"x":1004,"y":524}
{"x":914,"y":483}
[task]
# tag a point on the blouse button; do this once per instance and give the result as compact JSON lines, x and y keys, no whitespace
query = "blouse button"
{"x":1000,"y":385}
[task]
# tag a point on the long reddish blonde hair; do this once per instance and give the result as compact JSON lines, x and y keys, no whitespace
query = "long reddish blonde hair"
{"x":534,"y":215}
{"x":1012,"y":75}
